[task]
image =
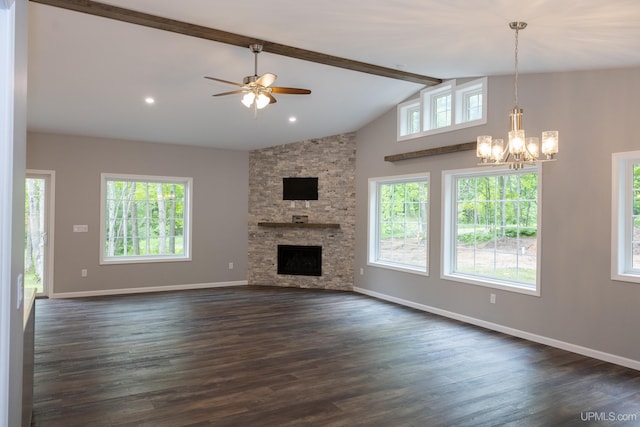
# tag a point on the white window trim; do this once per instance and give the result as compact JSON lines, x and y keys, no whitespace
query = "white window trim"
{"x":188,"y":197}
{"x":448,"y":240}
{"x":460,"y":93}
{"x":403,"y":119}
{"x":428,"y":101}
{"x":8,"y":325}
{"x":621,"y":220}
{"x":457,"y":92}
{"x":373,"y":223}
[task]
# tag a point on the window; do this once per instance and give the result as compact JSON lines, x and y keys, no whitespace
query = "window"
{"x":441,"y":111}
{"x":438,"y":107}
{"x":398,"y":219}
{"x":409,"y":118}
{"x":625,"y":215}
{"x":145,"y":219}
{"x":470,"y":99}
{"x":445,"y":107}
{"x":491,"y":222}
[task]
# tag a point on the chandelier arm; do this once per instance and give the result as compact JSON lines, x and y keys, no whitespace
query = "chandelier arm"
{"x":505,"y":153}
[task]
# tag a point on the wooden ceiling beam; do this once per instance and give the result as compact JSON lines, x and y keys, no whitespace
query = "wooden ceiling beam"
{"x":166,"y":24}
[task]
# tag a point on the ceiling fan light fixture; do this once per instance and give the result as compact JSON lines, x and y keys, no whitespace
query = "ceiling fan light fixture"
{"x":247,"y":100}
{"x":262,"y":101}
{"x":257,"y":89}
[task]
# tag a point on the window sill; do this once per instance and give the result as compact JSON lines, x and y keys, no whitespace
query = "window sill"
{"x":397,"y":267}
{"x":494,"y":284}
{"x":142,"y":260}
{"x":443,"y":129}
{"x":626,"y":277}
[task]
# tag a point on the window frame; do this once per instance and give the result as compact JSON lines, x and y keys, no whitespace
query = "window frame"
{"x":430,"y":104}
{"x":458,"y":119}
{"x":622,"y":216}
{"x":187,"y":218}
{"x":463,"y":92}
{"x":404,"y":117}
{"x":374,"y":222}
{"x":449,"y":228}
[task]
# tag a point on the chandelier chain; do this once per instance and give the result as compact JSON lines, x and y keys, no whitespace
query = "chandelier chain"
{"x":515,"y":80}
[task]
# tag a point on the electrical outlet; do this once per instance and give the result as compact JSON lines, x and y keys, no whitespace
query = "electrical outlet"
{"x":230,"y":266}
{"x":361,"y":271}
{"x":492,"y":298}
{"x":83,"y":272}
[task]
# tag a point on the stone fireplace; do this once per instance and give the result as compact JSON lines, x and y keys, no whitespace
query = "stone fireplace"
{"x":331,"y":218}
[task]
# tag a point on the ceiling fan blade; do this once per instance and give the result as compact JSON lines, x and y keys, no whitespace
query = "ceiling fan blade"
{"x":230,"y":93}
{"x":223,"y":81}
{"x":272,"y":100}
{"x":266,"y":79}
{"x":290,"y":90}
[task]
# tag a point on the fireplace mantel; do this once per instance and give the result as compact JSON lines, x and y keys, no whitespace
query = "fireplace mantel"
{"x":298,"y":225}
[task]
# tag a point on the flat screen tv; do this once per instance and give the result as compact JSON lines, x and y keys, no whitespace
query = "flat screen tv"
{"x":295,"y":188}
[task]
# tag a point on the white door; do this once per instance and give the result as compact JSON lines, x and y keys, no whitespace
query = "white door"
{"x":38,"y":239}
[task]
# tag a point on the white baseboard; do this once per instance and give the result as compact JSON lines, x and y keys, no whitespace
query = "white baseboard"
{"x":145,"y":290}
{"x":585,"y":351}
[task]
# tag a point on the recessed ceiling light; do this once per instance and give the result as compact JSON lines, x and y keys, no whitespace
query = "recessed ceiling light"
{"x":292,"y":119}
{"x":149,"y":100}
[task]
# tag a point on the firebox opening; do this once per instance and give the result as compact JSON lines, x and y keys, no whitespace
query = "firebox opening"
{"x":300,"y":260}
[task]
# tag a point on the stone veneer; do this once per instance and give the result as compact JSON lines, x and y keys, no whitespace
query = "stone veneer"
{"x":332,"y":160}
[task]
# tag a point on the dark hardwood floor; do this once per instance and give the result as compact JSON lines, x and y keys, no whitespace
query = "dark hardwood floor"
{"x":258,"y":356}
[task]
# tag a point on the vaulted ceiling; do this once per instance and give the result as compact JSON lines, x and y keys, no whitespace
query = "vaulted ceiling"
{"x":89,"y":75}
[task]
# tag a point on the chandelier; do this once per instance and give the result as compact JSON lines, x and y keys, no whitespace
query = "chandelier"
{"x":520,"y":150}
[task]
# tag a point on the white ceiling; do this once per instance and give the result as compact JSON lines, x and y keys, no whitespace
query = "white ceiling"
{"x":89,"y":75}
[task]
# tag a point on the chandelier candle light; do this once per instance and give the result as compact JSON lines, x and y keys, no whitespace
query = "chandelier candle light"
{"x":520,"y":150}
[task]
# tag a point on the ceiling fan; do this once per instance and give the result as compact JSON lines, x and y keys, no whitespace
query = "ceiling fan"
{"x":257,"y":89}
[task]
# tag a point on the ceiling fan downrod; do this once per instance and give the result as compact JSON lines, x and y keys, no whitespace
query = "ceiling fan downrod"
{"x":256,"y":49}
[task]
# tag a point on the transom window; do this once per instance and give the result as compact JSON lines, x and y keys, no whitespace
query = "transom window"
{"x":440,"y":110}
{"x":491,"y":224}
{"x":471,"y":103}
{"x":398,"y":211}
{"x":444,"y":108}
{"x":625,"y":214}
{"x":145,"y":218}
{"x":411,"y":118}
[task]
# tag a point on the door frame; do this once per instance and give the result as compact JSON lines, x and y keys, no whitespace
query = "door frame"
{"x":49,"y":177}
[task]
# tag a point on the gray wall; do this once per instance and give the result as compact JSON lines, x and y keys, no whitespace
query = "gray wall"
{"x":220,"y":205}
{"x":596,"y":113}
